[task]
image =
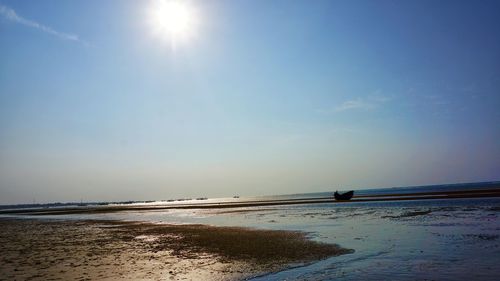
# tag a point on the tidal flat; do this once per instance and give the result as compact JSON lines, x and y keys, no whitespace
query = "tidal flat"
{"x":426,"y":237}
{"x":109,"y":250}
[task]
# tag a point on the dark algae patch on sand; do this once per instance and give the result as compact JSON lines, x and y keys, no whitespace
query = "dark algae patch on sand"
{"x":110,"y":250}
{"x":257,"y":246}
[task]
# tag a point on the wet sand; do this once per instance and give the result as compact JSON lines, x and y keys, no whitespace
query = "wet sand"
{"x":110,"y":250}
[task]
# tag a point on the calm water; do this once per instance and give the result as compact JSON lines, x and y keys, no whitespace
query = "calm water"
{"x":455,"y":239}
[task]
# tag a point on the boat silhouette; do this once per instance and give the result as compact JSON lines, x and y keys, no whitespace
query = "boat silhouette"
{"x":343,"y":196}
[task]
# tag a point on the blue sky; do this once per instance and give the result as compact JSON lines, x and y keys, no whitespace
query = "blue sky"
{"x":265,"y":97}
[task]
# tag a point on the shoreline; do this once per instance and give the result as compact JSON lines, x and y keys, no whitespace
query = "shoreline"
{"x":39,"y":249}
{"x":479,"y":193}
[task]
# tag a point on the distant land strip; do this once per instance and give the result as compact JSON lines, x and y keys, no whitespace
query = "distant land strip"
{"x":477,"y":193}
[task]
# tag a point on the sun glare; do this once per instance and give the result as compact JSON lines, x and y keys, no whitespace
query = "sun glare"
{"x":172,"y":20}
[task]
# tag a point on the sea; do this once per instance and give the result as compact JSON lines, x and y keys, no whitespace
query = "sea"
{"x":441,"y":239}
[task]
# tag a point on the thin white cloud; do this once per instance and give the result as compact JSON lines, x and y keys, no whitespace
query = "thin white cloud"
{"x":437,"y":100}
{"x":375,"y":100}
{"x":11,"y":15}
{"x":358,"y":103}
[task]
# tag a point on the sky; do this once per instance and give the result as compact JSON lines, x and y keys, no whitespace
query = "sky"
{"x":255,"y":98}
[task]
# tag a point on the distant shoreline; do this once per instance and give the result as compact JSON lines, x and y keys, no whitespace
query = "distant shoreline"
{"x":434,"y":195}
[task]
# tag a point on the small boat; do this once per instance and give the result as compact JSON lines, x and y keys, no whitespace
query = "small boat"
{"x":344,"y":196}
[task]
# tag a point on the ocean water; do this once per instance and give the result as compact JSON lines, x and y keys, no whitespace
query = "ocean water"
{"x":449,"y":239}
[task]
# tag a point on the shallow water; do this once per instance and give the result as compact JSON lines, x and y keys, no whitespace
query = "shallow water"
{"x":417,"y":241}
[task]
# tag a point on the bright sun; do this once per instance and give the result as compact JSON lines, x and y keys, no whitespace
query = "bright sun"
{"x":172,"y":20}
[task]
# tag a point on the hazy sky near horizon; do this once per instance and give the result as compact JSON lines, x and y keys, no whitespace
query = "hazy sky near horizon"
{"x":262,"y":97}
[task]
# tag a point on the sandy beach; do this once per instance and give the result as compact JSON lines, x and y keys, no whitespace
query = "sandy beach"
{"x":110,"y":250}
{"x":250,"y":140}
